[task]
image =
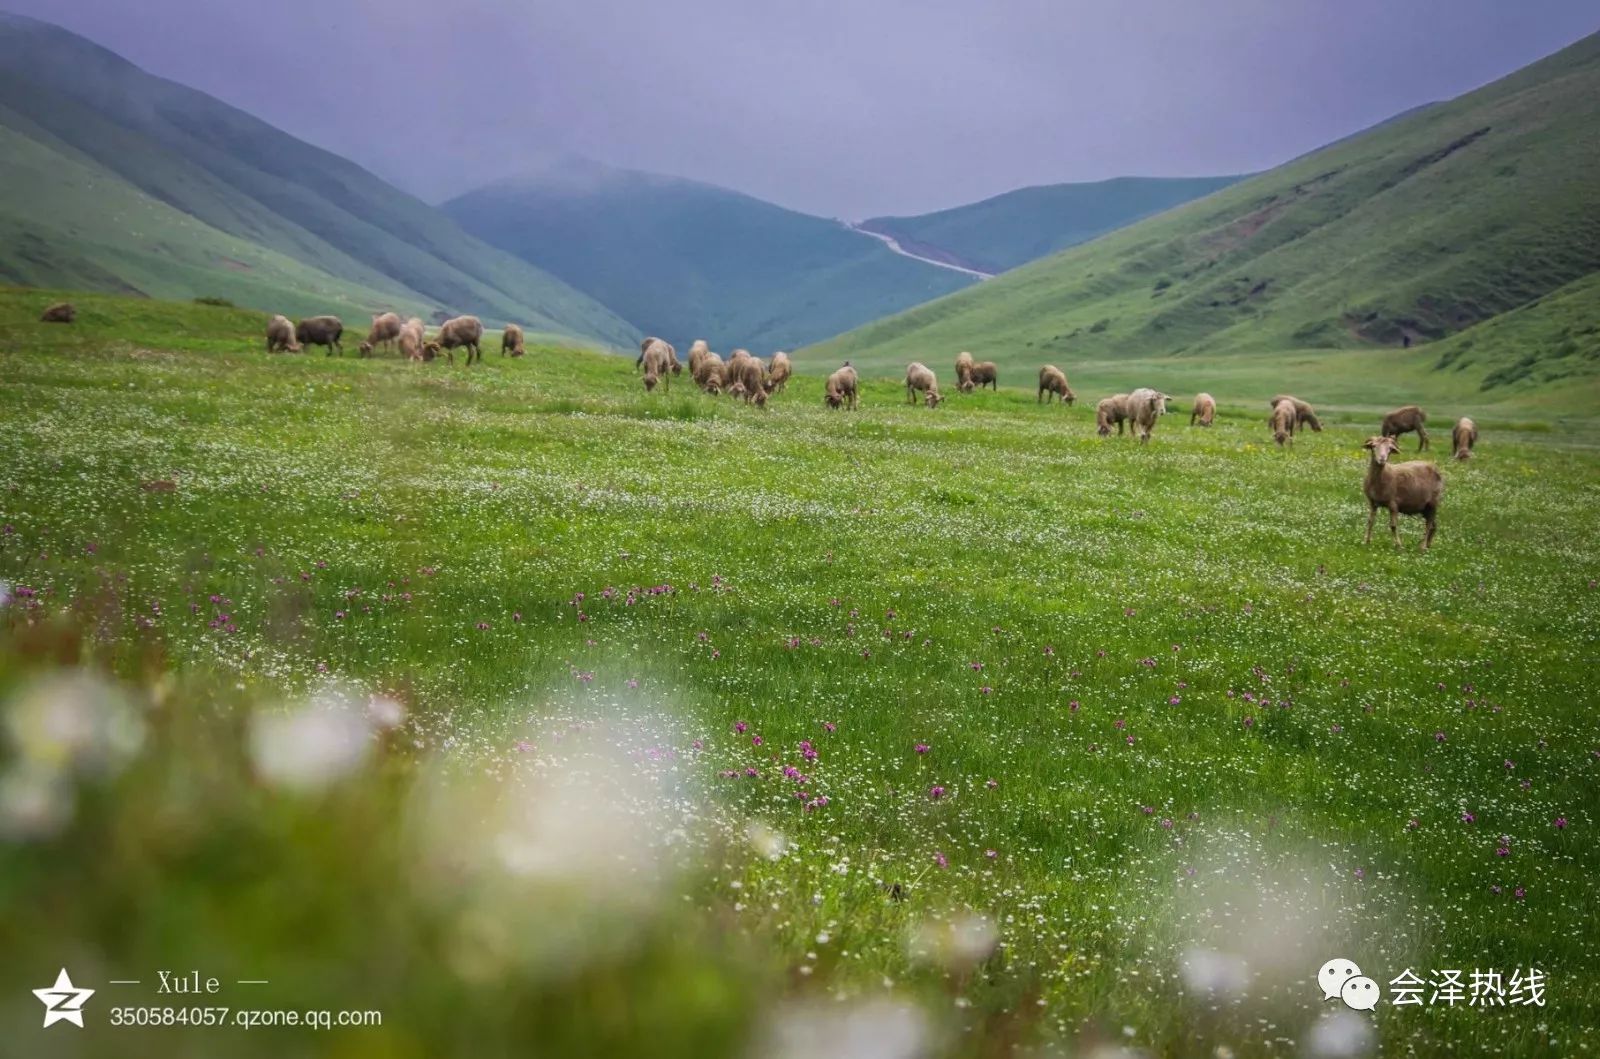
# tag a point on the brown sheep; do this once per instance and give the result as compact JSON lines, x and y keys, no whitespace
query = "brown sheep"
{"x":747,"y":380}
{"x":840,"y":388}
{"x":463,"y":331}
{"x":1111,"y":410}
{"x":511,"y":341}
{"x":697,"y":353}
{"x":1053,"y":381}
{"x":964,"y":366}
{"x":778,"y":371}
{"x":708,"y":375}
{"x":1145,"y":406}
{"x":280,"y":335}
{"x":985,"y":373}
{"x":410,"y":339}
{"x":1282,"y":423}
{"x":1463,"y":437}
{"x":644,"y":344}
{"x":1304,"y":415}
{"x":920,"y":379}
{"x":59,"y":313}
{"x":385,"y":329}
{"x":657,"y":366}
{"x":1403,"y":421}
{"x":320,"y":331}
{"x":1205,"y":410}
{"x":1413,"y":488}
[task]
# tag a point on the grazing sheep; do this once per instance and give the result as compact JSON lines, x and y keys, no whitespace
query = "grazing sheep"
{"x":59,"y":313}
{"x":1282,"y":422}
{"x":1205,"y":410}
{"x":511,"y":341}
{"x":986,"y":373}
{"x":964,"y":366}
{"x":698,"y":352}
{"x":840,"y":388}
{"x":1111,"y":410}
{"x":1304,"y":416}
{"x":463,"y":331}
{"x":385,"y":329}
{"x":644,"y":344}
{"x":657,"y":366}
{"x":1413,"y":488}
{"x":778,"y":372}
{"x":280,"y":335}
{"x":747,"y":379}
{"x":708,"y":374}
{"x":410,"y":340}
{"x":1144,"y":407}
{"x":1053,"y":381}
{"x":1403,"y":421}
{"x":920,"y":379}
{"x":320,"y":331}
{"x":1463,"y":437}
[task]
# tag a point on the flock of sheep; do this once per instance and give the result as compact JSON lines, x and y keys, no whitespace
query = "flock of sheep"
{"x":410,"y":337}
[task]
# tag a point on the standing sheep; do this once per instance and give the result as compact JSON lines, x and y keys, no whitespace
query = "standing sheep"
{"x":1463,"y":437}
{"x":59,"y":313}
{"x":411,"y":339}
{"x":698,"y":352}
{"x":463,"y":331}
{"x":748,"y":380}
{"x":1205,"y":410}
{"x":1304,"y":415}
{"x":1053,"y":381}
{"x":985,"y":373}
{"x":920,"y":379}
{"x":964,"y":366}
{"x":657,"y":366}
{"x":1413,"y":488}
{"x":280,"y":335}
{"x":320,"y":331}
{"x":1144,"y":407}
{"x":385,"y":329}
{"x":1282,"y":422}
{"x":778,"y":372}
{"x":1403,"y":421}
{"x":708,"y":374}
{"x":1111,"y":411}
{"x":840,"y":388}
{"x":511,"y":341}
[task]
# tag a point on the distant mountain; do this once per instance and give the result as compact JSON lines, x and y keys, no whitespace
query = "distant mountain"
{"x":687,"y":260}
{"x":113,"y":179}
{"x":1008,"y":230}
{"x":1415,"y":231}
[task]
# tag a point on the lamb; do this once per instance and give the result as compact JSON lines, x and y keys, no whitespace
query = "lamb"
{"x":385,"y":329}
{"x":1463,"y":437}
{"x":280,"y":335}
{"x":1404,"y":420}
{"x":59,"y":313}
{"x":1053,"y":381}
{"x":1413,"y":488}
{"x":747,"y":380}
{"x":1111,"y":410}
{"x":985,"y":373}
{"x":1205,"y":410}
{"x":778,"y":372}
{"x":463,"y":331}
{"x":697,"y":353}
{"x":657,"y":366}
{"x":1304,"y":416}
{"x":320,"y":331}
{"x":708,"y":374}
{"x":920,"y":379}
{"x":410,"y":339}
{"x":1282,"y":422}
{"x":964,"y":366}
{"x":511,"y":341}
{"x":1144,"y":406}
{"x":840,"y":388}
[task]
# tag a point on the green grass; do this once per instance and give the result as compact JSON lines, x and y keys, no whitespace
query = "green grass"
{"x":1421,"y":227}
{"x":550,"y":854}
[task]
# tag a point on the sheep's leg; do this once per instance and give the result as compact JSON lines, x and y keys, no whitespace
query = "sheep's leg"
{"x":1432,"y":517}
{"x":1423,"y":434}
{"x":1394,"y":524}
{"x":1372,"y":516}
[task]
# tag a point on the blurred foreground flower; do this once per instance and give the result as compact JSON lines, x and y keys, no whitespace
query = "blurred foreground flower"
{"x":313,"y":745}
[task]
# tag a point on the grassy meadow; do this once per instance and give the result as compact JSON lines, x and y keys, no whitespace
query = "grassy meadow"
{"x":548,"y":717}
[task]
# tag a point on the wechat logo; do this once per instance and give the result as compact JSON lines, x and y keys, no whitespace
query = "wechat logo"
{"x":1341,"y":978}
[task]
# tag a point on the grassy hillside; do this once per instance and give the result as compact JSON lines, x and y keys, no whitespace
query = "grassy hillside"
{"x":1422,"y":227}
{"x":686,"y":260}
{"x":241,"y":178}
{"x":1008,"y":230}
{"x":1009,"y":739}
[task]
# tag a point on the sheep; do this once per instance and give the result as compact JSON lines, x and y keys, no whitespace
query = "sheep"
{"x":644,"y":344}
{"x":657,"y":366}
{"x":280,"y":335}
{"x":320,"y":331}
{"x":920,"y":379}
{"x":698,"y":352}
{"x":410,"y":339}
{"x":1111,"y":410}
{"x":385,"y":329}
{"x":1463,"y":437}
{"x":59,"y":313}
{"x":466,"y":331}
{"x":1282,"y":423}
{"x":511,"y":341}
{"x":708,"y":374}
{"x":1205,"y":410}
{"x":1053,"y":381}
{"x":840,"y":388}
{"x":748,"y":380}
{"x":964,"y":366}
{"x":1403,"y":420}
{"x":1304,"y":416}
{"x":985,"y":373}
{"x":778,"y":372}
{"x":1413,"y":488}
{"x":1144,"y":406}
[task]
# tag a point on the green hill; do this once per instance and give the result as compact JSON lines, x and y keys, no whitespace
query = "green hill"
{"x":113,"y":179}
{"x":1412,"y":232}
{"x":1008,"y":230}
{"x":688,"y":260}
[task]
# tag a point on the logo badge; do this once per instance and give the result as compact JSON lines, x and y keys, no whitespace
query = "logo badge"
{"x":63,"y":1002}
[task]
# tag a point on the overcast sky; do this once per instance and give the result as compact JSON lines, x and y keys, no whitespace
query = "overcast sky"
{"x":838,"y":107}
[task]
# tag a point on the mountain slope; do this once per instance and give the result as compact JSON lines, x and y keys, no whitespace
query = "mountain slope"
{"x":688,"y":260}
{"x":1008,"y":230}
{"x":245,"y":179}
{"x":1418,"y":229}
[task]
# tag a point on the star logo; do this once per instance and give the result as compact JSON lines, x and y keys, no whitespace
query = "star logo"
{"x":63,"y":1001}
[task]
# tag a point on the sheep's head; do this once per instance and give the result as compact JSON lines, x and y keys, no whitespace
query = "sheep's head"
{"x":933,"y":399}
{"x":1312,"y":422}
{"x":833,"y":399}
{"x":677,"y":368}
{"x":967,"y":385}
{"x":1069,"y":396}
{"x":366,"y":349}
{"x":1381,"y":447}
